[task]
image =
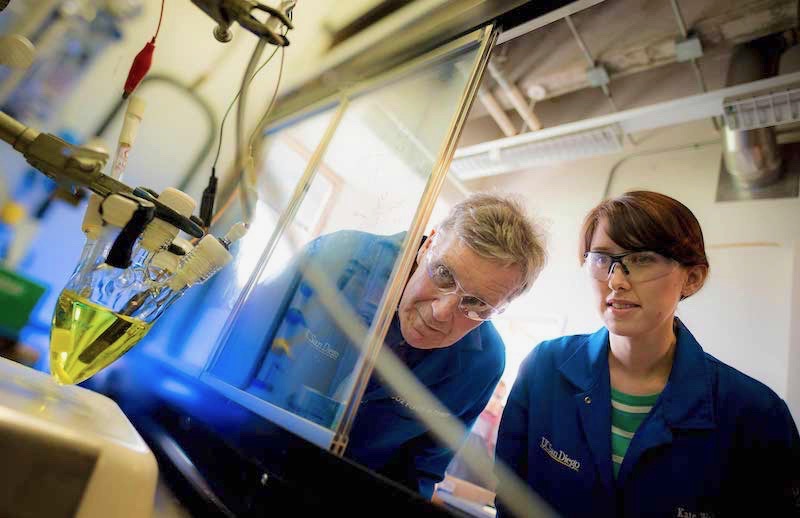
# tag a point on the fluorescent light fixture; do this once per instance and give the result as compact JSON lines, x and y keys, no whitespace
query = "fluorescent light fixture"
{"x":563,"y":148}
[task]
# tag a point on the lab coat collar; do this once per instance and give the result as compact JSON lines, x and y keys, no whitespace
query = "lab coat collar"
{"x":685,"y":403}
{"x":439,"y":364}
{"x":472,"y":341}
{"x":589,"y":361}
{"x":687,"y":399}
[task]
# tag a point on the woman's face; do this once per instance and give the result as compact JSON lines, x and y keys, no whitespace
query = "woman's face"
{"x":635,"y":309}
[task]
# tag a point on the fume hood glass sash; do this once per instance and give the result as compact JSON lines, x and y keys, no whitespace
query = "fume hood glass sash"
{"x":372,"y":105}
{"x":402,"y":269}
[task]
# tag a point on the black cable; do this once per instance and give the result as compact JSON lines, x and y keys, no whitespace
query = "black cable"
{"x":207,"y":201}
{"x":210,"y":192}
{"x":119,"y":256}
{"x":230,"y":107}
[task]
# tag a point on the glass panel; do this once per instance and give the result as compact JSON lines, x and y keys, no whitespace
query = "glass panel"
{"x":283,"y":354}
{"x":197,"y":320}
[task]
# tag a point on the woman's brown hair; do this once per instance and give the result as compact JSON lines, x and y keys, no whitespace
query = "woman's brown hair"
{"x":645,"y":220}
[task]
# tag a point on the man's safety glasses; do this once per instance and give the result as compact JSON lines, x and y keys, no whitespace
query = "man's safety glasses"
{"x":442,"y":277}
{"x":637,"y":266}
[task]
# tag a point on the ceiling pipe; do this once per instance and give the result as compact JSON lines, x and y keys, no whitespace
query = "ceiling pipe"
{"x":516,"y":98}
{"x":751,"y":157}
{"x":496,"y":111}
{"x":589,"y":59}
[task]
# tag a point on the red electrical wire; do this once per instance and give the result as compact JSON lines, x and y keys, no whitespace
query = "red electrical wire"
{"x":142,"y":61}
{"x":160,"y":17}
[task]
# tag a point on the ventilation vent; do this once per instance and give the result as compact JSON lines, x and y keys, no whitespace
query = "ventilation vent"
{"x":762,"y":111}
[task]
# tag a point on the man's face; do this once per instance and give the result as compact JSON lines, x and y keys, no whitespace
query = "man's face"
{"x":430,"y":319}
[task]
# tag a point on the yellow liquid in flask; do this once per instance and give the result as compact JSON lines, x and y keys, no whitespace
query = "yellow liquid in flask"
{"x":86,"y":337}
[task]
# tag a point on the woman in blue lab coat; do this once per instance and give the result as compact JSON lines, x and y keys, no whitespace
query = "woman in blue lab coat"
{"x":635,"y":419}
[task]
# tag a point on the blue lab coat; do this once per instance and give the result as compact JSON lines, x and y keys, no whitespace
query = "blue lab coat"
{"x":717,"y":443}
{"x":385,"y":436}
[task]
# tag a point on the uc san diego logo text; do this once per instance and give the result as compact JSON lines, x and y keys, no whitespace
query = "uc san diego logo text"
{"x":559,"y":456}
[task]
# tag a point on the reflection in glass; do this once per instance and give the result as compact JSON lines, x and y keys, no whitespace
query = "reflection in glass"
{"x":197,"y":320}
{"x":282,"y":346}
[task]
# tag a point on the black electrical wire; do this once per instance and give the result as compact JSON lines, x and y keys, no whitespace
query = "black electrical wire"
{"x":230,"y":107}
{"x":210,"y":192}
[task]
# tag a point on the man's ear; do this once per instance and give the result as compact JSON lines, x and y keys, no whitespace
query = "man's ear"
{"x":425,"y":246}
{"x":694,"y":280}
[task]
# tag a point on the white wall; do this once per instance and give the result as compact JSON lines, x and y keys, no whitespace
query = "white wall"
{"x":745,"y":315}
{"x":173,"y":128}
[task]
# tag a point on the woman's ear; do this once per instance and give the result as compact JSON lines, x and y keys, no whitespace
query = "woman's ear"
{"x":694,"y":280}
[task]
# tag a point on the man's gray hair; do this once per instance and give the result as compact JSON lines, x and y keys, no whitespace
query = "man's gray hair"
{"x":497,"y":228}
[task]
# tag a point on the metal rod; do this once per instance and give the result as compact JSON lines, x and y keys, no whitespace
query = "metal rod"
{"x":16,"y":133}
{"x":699,"y":76}
{"x":525,"y":124}
{"x":610,"y":98}
{"x":589,"y":59}
{"x":679,"y":18}
{"x":578,"y":38}
{"x":242,"y":150}
{"x":496,"y":111}
{"x":293,"y":108}
{"x":10,"y":128}
{"x":515,"y":97}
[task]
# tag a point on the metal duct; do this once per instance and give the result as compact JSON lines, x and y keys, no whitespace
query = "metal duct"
{"x":752,"y":157}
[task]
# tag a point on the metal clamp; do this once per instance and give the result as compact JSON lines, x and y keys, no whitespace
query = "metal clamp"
{"x":226,"y":12}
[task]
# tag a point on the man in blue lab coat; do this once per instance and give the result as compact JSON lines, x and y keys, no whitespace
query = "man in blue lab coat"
{"x":483,"y":255}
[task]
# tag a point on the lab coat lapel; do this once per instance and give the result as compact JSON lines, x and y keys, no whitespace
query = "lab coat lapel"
{"x":587,"y":369}
{"x":685,"y":403}
{"x":437,"y":366}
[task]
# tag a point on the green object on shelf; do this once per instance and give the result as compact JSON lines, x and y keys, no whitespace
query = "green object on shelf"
{"x":18,"y":297}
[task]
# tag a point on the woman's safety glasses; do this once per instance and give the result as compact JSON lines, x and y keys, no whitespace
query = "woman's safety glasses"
{"x":637,"y":266}
{"x":440,"y":275}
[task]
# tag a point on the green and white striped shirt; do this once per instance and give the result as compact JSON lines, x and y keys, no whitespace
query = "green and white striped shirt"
{"x":627,"y":413}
